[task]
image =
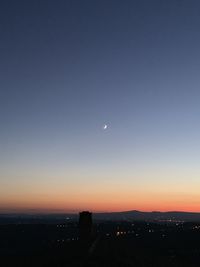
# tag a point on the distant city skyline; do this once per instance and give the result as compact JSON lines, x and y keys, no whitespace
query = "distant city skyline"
{"x":99,"y":105}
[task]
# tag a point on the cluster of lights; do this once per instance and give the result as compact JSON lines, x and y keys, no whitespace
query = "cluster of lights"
{"x":170,"y":220}
{"x":196,"y":227}
{"x":151,"y":231}
{"x":61,"y":225}
{"x":118,"y":233}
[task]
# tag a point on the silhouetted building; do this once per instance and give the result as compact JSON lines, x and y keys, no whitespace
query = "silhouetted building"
{"x":85,"y":225}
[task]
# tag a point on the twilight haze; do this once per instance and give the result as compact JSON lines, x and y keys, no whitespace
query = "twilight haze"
{"x":99,"y":105}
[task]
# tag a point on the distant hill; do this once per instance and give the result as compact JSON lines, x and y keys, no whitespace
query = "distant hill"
{"x":149,"y":216}
{"x":133,"y":215}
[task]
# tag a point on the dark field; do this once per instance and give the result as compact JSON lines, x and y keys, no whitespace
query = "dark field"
{"x":113,"y":244}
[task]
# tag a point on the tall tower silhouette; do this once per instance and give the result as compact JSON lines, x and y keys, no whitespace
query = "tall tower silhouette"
{"x":85,"y":225}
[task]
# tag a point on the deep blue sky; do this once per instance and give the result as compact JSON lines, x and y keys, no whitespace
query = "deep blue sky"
{"x":69,"y":67}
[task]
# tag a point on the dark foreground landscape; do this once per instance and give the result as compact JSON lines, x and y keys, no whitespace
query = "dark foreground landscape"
{"x":55,"y":241}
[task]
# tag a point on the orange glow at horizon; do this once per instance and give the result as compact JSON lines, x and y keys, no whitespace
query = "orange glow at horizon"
{"x":145,"y":192}
{"x":102,"y":203}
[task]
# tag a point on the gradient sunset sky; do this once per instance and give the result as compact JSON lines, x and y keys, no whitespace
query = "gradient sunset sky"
{"x":67,"y":67}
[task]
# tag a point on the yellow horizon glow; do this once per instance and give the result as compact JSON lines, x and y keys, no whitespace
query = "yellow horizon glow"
{"x":106,"y":202}
{"x":74,"y":192}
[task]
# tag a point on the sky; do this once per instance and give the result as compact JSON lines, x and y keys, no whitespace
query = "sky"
{"x":67,"y":68}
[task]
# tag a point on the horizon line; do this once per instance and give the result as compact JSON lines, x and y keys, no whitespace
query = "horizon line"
{"x":46,"y":212}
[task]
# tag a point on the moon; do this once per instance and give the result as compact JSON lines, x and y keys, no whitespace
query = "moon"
{"x":105,"y":126}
